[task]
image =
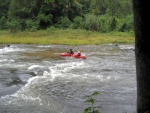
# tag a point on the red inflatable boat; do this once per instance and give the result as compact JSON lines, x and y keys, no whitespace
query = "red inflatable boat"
{"x":73,"y":55}
{"x":65,"y":54}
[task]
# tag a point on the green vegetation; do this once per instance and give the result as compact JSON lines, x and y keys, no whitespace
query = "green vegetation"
{"x":65,"y":37}
{"x":74,"y":22}
{"x":90,"y":99}
{"x":94,"y":15}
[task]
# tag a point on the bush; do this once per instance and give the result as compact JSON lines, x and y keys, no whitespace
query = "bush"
{"x":52,"y":28}
{"x":63,"y":22}
{"x":3,"y":21}
{"x":77,"y":22}
{"x":31,"y":25}
{"x":44,"y":20}
{"x":113,"y":24}
{"x":104,"y":21}
{"x":90,"y":99}
{"x":125,"y":24}
{"x":91,"y":23}
{"x":14,"y":25}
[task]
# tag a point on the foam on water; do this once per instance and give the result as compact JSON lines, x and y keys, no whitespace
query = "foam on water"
{"x":43,"y":46}
{"x":26,"y":96}
{"x":34,"y":67}
{"x":67,"y":71}
{"x":10,"y":49}
{"x":66,"y":79}
{"x":126,"y":47}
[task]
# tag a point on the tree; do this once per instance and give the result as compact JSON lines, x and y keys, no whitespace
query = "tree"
{"x":113,"y":24}
{"x":23,"y":10}
{"x":142,"y":53}
{"x":98,"y":7}
{"x":4,"y":7}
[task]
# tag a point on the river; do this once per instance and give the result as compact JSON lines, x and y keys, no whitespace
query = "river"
{"x":35,"y":79}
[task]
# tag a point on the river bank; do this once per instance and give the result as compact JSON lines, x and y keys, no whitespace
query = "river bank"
{"x":65,"y":37}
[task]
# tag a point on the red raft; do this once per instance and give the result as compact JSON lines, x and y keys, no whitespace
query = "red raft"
{"x":73,"y":55}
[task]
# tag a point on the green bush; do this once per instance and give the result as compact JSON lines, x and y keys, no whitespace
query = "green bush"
{"x":104,"y":21}
{"x":31,"y":25}
{"x":113,"y":24}
{"x":44,"y":20}
{"x":63,"y":22}
{"x":3,"y":21}
{"x":52,"y":28}
{"x":90,"y":99}
{"x":77,"y":22}
{"x":14,"y":25}
{"x":125,"y":24}
{"x":91,"y":23}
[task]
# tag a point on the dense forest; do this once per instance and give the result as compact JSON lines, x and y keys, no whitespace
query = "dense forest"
{"x":95,"y":15}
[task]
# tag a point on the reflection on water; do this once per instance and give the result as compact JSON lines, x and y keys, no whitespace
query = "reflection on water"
{"x":35,"y":79}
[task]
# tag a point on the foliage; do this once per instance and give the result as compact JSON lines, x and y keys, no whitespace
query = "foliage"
{"x":77,"y":22}
{"x":3,"y":21}
{"x":64,"y":22}
{"x":94,"y":15}
{"x":90,"y":99}
{"x":51,"y":29}
{"x":4,"y":7}
{"x":113,"y":24}
{"x":104,"y":21}
{"x":91,"y":23}
{"x":125,"y":24}
{"x":49,"y":1}
{"x":31,"y":25}
{"x":14,"y":25}
{"x":44,"y":20}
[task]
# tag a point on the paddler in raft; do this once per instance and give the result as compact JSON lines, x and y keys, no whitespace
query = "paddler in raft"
{"x":78,"y":53}
{"x":70,"y":52}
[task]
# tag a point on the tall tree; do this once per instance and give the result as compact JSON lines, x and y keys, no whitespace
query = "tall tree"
{"x":99,"y":7}
{"x":142,"y":53}
{"x":21,"y":11}
{"x":24,"y":8}
{"x":65,"y":8}
{"x":4,"y":7}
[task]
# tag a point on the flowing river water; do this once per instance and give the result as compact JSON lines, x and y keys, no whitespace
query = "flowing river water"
{"x":35,"y":79}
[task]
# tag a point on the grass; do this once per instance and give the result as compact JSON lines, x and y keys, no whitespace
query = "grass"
{"x":65,"y":37}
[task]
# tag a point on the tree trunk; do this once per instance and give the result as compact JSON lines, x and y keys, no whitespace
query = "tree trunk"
{"x":141,"y":10}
